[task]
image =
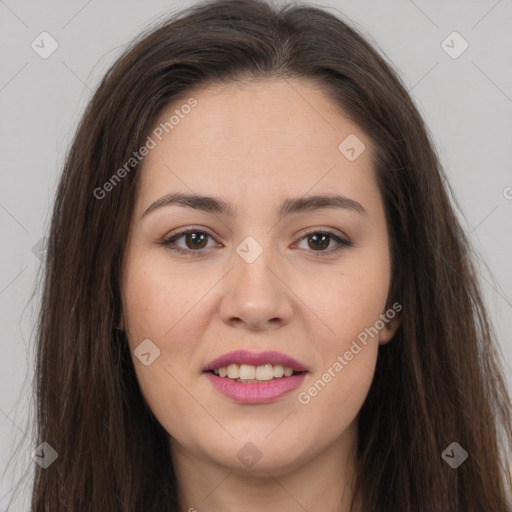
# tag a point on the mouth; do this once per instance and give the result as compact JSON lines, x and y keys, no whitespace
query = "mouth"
{"x":253,"y":367}
{"x":252,"y":378}
{"x":250,"y":374}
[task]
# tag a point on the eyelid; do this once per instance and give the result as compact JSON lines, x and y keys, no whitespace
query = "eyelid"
{"x":188,"y":229}
{"x":323,"y":229}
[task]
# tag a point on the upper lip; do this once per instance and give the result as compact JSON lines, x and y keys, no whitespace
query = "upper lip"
{"x":255,"y":359}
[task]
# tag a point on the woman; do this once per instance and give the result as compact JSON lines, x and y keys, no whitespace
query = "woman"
{"x":257,"y":293}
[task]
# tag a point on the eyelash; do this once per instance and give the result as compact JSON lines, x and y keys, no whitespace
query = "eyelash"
{"x":167,"y":242}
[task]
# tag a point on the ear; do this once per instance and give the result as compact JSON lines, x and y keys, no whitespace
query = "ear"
{"x":390,"y":328}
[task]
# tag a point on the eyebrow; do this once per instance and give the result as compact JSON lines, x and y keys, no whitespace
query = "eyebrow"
{"x":289,"y":206}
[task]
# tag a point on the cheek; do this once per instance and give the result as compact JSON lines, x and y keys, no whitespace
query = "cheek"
{"x":350,"y":300}
{"x":341,"y":383}
{"x":351,"y":306}
{"x":166,"y":305}
{"x":158,"y":306}
{"x":156,"y":300}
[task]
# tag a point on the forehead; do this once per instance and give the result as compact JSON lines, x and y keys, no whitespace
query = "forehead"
{"x":236,"y":114}
{"x":280,"y":135}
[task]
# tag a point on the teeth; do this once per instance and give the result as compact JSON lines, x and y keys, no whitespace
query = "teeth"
{"x":250,"y":373}
{"x":287,"y":372}
{"x":265,"y":372}
{"x":278,"y":371}
{"x":233,"y":371}
{"x":247,"y":372}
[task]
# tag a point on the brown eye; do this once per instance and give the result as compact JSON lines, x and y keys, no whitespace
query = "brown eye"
{"x":319,"y":241}
{"x":194,"y":241}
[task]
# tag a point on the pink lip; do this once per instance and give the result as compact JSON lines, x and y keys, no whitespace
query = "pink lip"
{"x":255,"y":359}
{"x":257,"y":393}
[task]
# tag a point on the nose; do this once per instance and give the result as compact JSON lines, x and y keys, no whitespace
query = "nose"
{"x":255,"y":295}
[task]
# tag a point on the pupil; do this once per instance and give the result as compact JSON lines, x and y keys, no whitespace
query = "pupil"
{"x":323,"y":245}
{"x":193,"y":235}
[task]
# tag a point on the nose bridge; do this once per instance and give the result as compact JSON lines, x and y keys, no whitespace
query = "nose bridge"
{"x":252,"y":269}
{"x":255,"y":295}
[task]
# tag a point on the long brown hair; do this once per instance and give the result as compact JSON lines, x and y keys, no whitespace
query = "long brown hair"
{"x":437,"y":382}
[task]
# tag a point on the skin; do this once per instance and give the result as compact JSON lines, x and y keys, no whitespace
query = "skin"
{"x":255,"y":144}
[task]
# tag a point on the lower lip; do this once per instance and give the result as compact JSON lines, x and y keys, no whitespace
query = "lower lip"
{"x":261,"y":393}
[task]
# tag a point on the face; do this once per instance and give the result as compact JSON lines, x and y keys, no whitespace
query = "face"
{"x":275,"y":271}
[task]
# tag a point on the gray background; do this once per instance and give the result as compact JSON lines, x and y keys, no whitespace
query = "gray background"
{"x":466,"y":101}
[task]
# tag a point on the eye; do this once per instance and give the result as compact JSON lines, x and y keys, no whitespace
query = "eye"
{"x":318,"y":241}
{"x":194,"y":240}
